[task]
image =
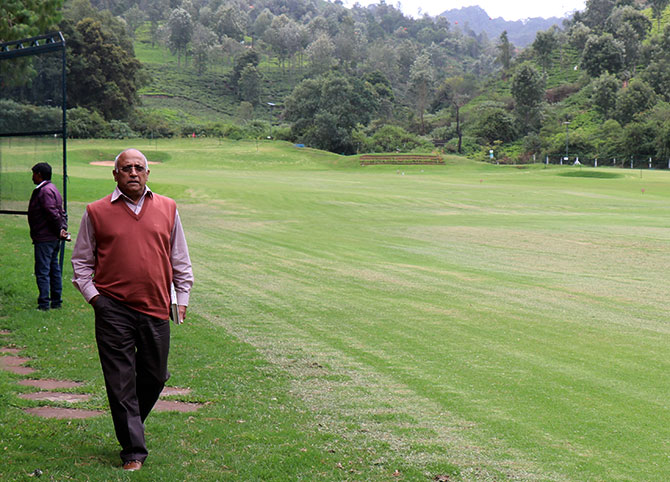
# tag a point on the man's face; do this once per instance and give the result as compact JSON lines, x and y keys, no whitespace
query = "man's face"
{"x":37,"y":178}
{"x":132,"y":174}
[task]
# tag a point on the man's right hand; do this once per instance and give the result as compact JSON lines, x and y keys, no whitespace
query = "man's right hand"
{"x":94,"y":300}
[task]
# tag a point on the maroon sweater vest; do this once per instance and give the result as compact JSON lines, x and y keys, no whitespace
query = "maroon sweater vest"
{"x":132,"y":263}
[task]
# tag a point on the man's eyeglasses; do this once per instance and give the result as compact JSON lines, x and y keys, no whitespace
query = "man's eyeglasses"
{"x":127,"y":169}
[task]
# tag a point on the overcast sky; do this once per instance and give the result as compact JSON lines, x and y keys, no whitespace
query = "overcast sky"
{"x":509,"y":10}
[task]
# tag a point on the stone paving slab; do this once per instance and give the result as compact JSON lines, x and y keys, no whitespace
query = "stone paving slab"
{"x":173,"y":406}
{"x":13,"y":361}
{"x":49,"y":384}
{"x":14,"y":364}
{"x":56,"y":396}
{"x":10,"y":351}
{"x":169,"y":391}
{"x":64,"y":413}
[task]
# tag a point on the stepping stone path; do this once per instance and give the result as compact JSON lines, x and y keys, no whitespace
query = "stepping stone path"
{"x":12,"y":362}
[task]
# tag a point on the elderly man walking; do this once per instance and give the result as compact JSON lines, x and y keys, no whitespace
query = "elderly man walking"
{"x":130,"y":249}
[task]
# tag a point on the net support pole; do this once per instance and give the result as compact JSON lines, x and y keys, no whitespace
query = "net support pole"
{"x":64,"y":139}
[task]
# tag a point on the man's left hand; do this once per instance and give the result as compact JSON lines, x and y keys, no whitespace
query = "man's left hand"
{"x":182,"y":312}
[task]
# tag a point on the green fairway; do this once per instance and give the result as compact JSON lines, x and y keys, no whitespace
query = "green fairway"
{"x":479,"y":321}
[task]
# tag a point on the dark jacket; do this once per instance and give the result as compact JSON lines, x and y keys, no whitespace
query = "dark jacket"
{"x":45,"y":213}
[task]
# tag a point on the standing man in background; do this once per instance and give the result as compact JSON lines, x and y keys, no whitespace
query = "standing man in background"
{"x":130,"y":249}
{"x":48,"y":226}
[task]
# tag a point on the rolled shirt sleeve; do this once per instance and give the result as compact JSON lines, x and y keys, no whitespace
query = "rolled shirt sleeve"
{"x":182,"y":271}
{"x":83,"y":259}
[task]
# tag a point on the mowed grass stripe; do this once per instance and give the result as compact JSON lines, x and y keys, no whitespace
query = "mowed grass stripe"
{"x":509,"y":321}
{"x":540,"y":313}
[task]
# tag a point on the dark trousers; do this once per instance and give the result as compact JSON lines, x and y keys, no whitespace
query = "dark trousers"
{"x":48,"y":275}
{"x":133,"y":350}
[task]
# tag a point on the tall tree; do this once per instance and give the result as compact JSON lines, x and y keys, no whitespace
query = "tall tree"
{"x":325,"y":111}
{"x":230,"y":21}
{"x":605,"y":89}
{"x":602,"y":54}
{"x":320,"y":54}
{"x":544,"y":44}
{"x":283,"y":36}
{"x":421,"y":79}
{"x":262,"y":23}
{"x":528,"y":92}
{"x":246,"y":58}
{"x":578,"y":35}
{"x":382,"y":57}
{"x":102,"y":74}
{"x":155,"y":10}
{"x":251,"y":83}
{"x":636,"y":98}
{"x":596,"y":13}
{"x":505,"y":49}
{"x":637,"y":20}
{"x":203,"y":42}
{"x":455,"y":92}
{"x":657,"y":9}
{"x":25,"y":18}
{"x":180,"y":30}
{"x":657,"y":71}
{"x":134,"y":17}
{"x":28,"y":18}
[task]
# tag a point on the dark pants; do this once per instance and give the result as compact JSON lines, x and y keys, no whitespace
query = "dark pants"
{"x":133,"y":350}
{"x":48,"y":275}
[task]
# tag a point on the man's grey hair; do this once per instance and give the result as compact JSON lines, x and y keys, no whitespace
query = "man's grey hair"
{"x":116,"y":159}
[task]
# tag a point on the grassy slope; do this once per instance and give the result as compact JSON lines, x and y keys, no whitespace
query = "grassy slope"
{"x":187,"y":97}
{"x":511,"y":323}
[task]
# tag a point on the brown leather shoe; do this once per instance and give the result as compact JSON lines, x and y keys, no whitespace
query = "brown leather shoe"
{"x":132,"y":465}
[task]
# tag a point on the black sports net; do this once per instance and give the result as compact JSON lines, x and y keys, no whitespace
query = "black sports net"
{"x":31,"y":115}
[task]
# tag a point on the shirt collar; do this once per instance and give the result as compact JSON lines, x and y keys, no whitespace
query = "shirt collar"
{"x":41,"y":184}
{"x":118,"y":194}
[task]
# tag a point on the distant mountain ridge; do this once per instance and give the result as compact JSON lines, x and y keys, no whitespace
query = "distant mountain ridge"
{"x":520,"y":32}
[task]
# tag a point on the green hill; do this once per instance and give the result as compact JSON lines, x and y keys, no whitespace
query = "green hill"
{"x":185,"y":96}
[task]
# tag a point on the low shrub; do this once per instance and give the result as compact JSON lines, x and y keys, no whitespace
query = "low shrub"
{"x":86,"y":124}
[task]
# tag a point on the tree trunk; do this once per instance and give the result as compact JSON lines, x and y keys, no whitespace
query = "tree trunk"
{"x":458,"y":129}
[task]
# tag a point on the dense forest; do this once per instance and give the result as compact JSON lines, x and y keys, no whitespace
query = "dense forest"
{"x":364,"y":79}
